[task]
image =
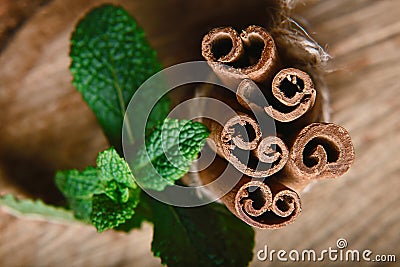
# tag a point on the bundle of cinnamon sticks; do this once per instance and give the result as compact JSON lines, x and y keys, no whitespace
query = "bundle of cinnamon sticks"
{"x":274,"y":165}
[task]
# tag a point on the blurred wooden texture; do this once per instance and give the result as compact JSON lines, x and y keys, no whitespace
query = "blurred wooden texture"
{"x":56,"y":130}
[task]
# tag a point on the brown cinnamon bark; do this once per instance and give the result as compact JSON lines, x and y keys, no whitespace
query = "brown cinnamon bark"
{"x":239,"y":141}
{"x":321,"y":150}
{"x":233,"y":133}
{"x":249,"y":62}
{"x":265,"y":205}
{"x":251,"y":54}
{"x":292,"y":95}
{"x":268,"y":205}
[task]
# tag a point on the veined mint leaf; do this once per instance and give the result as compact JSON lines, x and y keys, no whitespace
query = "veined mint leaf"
{"x":107,"y":214}
{"x":200,"y":236}
{"x":157,"y":114}
{"x":35,"y":208}
{"x":76,"y":184}
{"x":168,"y":153}
{"x":112,"y":167}
{"x":106,"y":195}
{"x":110,"y":60}
{"x":82,"y":208}
{"x":143,"y":213}
{"x":116,"y":175}
{"x":79,"y":188}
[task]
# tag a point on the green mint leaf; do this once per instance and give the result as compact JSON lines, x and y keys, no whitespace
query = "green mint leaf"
{"x":117,"y":192}
{"x":200,"y":236}
{"x":79,"y":188}
{"x":81,"y":207}
{"x":157,"y":114}
{"x":113,"y":167}
{"x":35,"y":208}
{"x":110,"y":59}
{"x":143,"y":212}
{"x":76,"y":184}
{"x":168,"y":153}
{"x":107,"y":214}
{"x":106,"y":195}
{"x":116,"y":174}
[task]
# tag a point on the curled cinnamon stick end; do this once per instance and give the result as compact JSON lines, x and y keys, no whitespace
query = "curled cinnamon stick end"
{"x":271,"y":156}
{"x":265,"y":206}
{"x":223,"y":45}
{"x":272,"y":205}
{"x":271,"y":150}
{"x":252,"y":53}
{"x":239,"y":142}
{"x":239,"y":131}
{"x":321,"y":150}
{"x":294,"y":93}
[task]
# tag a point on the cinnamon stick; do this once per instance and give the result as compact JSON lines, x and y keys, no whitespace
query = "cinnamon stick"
{"x":265,"y":205}
{"x":321,"y":150}
{"x":232,"y":56}
{"x":240,"y":142}
{"x":269,"y":205}
{"x":292,"y":95}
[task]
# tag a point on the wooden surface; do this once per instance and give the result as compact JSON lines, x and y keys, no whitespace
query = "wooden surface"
{"x":56,"y":130}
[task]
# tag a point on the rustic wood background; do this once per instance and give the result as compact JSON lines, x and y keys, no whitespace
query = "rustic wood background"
{"x":44,"y":126}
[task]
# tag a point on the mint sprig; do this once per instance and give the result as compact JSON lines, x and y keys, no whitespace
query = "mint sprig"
{"x":106,"y":195}
{"x":110,"y":60}
{"x":202,"y":236}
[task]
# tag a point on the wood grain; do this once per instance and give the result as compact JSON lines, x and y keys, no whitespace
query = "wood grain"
{"x":56,"y":130}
